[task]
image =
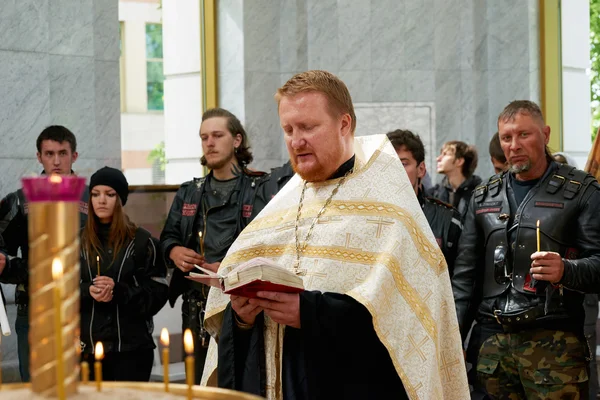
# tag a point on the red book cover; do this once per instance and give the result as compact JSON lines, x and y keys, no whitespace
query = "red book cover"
{"x":249,"y":290}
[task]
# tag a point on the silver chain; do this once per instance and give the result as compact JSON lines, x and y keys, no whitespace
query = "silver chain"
{"x":299,"y":249}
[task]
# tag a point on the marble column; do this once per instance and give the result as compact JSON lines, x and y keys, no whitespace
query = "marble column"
{"x":59,"y":64}
{"x":183,"y":90}
{"x":575,"y":31}
{"x":442,"y":68}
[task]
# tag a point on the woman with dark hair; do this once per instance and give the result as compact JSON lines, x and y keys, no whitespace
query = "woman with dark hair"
{"x":123,"y":282}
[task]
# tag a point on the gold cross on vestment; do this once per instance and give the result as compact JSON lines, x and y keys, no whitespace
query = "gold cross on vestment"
{"x":416,"y":347}
{"x":380,"y":223}
{"x":347,"y":244}
{"x":286,"y":226}
{"x":385,"y":164}
{"x":446,"y":365}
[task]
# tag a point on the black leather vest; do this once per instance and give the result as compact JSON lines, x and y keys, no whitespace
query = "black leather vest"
{"x":554,"y":201}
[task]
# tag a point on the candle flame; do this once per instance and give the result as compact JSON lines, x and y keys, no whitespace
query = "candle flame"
{"x":55,"y":178}
{"x":99,"y":351}
{"x":188,"y":342}
{"x":164,"y":337}
{"x":200,"y":235}
{"x":97,"y":258}
{"x":57,"y":269}
{"x":538,"y":223}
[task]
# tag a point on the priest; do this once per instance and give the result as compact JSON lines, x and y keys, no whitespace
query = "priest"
{"x":376,"y":319}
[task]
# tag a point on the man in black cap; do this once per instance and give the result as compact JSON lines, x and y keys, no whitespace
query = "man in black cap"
{"x":56,"y":151}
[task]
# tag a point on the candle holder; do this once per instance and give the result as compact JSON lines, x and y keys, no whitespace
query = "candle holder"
{"x":53,"y":215}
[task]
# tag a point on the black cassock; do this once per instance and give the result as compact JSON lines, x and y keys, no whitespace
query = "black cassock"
{"x":335,"y":355}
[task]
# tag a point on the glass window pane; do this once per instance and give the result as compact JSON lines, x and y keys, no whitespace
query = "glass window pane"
{"x":155,"y":96}
{"x":154,"y":71}
{"x":154,"y":41}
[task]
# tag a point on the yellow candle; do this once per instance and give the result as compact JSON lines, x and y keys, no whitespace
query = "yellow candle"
{"x":98,"y":365}
{"x":537,"y":231}
{"x":85,"y":372}
{"x":57,"y":272}
{"x":164,"y":339}
{"x":188,"y":344}
{"x":201,"y":243}
{"x":98,"y":264}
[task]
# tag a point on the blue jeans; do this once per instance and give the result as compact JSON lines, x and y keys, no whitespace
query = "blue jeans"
{"x":22,"y":328}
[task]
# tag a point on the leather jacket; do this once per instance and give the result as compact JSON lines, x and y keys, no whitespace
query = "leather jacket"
{"x":444,"y":221}
{"x":566,"y":202}
{"x":461,"y":196}
{"x":188,"y":210}
{"x":14,"y":237}
{"x":126,"y":322}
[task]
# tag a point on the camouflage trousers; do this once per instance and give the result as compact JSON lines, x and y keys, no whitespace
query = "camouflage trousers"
{"x":536,"y":364}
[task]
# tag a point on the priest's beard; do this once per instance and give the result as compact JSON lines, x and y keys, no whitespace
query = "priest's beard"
{"x":316,"y":174}
{"x":518,"y":168}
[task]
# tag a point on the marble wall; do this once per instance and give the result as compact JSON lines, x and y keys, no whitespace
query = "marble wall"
{"x":59,"y":64}
{"x":467,"y":58}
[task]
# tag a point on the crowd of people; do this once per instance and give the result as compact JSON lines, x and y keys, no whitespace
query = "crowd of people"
{"x":473,"y":288}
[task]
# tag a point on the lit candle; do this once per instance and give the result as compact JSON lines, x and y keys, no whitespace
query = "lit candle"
{"x":98,"y":365}
{"x":537,"y":231}
{"x":188,"y":344}
{"x":57,"y":273}
{"x":201,"y":244}
{"x":164,"y":339}
{"x":85,"y":372}
{"x":98,"y":264}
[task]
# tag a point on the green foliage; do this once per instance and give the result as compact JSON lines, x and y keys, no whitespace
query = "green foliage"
{"x":595,"y":60}
{"x":158,"y":155}
{"x":154,"y":67}
{"x":154,"y":41}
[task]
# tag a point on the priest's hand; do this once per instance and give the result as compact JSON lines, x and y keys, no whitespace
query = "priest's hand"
{"x":547,"y":266}
{"x":185,"y":258}
{"x":245,"y":311}
{"x":283,"y":308}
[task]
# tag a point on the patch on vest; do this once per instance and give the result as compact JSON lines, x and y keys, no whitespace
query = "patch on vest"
{"x":189,"y":210}
{"x":247,"y":210}
{"x":486,"y":210}
{"x":491,"y":204}
{"x":571,"y":253}
{"x":83,"y":207}
{"x":549,"y":204}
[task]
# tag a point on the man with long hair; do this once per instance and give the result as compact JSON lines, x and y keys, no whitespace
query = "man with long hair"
{"x":208,"y":214}
{"x":56,"y":151}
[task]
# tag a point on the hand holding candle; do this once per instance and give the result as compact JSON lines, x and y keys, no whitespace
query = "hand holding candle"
{"x":57,"y":273}
{"x":164,"y":339}
{"x":537,"y":231}
{"x":201,"y":238}
{"x":99,"y":353}
{"x":188,"y":344}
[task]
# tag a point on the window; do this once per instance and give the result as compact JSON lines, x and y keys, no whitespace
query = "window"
{"x":154,"y":67}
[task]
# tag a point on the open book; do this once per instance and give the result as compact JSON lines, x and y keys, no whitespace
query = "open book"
{"x":258,"y":274}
